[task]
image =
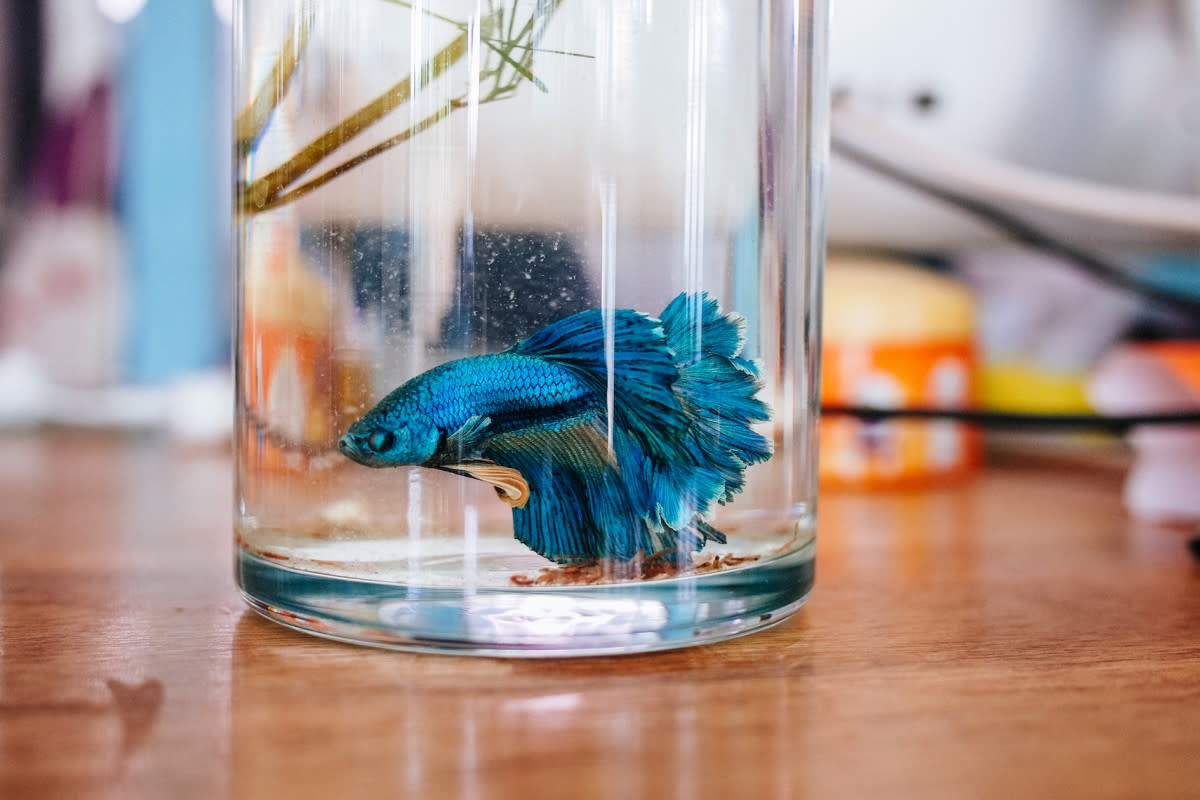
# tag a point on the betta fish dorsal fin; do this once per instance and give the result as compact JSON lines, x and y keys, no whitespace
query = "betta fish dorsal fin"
{"x":589,"y":338}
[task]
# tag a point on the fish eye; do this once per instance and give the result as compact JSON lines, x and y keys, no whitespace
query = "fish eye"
{"x":381,"y":441}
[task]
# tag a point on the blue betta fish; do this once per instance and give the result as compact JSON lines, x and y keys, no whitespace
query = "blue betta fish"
{"x":611,"y":435}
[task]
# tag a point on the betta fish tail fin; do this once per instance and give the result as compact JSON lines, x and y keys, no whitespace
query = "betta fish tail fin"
{"x":717,"y":387}
{"x":680,"y":403}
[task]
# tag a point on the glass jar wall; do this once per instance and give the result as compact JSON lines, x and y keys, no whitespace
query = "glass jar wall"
{"x":528,"y":319}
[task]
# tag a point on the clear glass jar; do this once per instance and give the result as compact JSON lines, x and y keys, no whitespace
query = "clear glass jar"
{"x":582,"y":240}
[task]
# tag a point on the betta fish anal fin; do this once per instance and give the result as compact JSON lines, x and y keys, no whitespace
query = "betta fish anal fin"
{"x":577,"y":510}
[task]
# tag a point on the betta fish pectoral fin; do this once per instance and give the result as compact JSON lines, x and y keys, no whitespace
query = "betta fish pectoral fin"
{"x":611,"y":434}
{"x":468,"y":443}
{"x":469,"y":440}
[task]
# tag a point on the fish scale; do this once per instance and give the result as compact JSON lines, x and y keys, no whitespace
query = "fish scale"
{"x":510,"y":390}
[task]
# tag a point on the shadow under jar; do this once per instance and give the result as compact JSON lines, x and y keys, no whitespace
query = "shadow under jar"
{"x":528,"y":323}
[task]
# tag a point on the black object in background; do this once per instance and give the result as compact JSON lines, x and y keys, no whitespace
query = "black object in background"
{"x":512,"y":284}
{"x":509,"y":284}
{"x":21,"y":48}
{"x":1010,"y":420}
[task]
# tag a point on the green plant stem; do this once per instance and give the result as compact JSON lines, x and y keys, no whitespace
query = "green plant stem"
{"x":485,"y":37}
{"x":262,"y":193}
{"x":521,"y":69}
{"x":431,"y":14}
{"x":271,"y":190}
{"x":253,"y":118}
{"x":386,"y":144}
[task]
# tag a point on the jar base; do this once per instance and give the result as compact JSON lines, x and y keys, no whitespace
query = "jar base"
{"x":532,"y":622}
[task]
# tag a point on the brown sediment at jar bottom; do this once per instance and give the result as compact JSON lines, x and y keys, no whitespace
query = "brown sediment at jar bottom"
{"x":596,"y":573}
{"x":495,"y":560}
{"x":592,"y":573}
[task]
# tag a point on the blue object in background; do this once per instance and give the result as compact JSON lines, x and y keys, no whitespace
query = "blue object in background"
{"x":171,"y":191}
{"x":1178,"y":272}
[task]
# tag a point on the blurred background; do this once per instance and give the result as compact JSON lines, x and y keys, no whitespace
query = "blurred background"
{"x":1014,"y":225}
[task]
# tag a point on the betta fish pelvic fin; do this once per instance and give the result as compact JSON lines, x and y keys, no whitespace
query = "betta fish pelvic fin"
{"x":509,"y":483}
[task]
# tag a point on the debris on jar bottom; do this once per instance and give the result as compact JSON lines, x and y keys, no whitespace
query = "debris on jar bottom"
{"x":609,"y":571}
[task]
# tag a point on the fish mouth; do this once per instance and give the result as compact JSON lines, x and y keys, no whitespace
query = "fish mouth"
{"x":349,"y":447}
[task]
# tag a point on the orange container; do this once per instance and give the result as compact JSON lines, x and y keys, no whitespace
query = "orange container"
{"x":286,"y":363}
{"x":896,"y":336}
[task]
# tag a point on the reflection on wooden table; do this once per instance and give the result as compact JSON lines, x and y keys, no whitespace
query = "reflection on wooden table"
{"x":1016,"y":636}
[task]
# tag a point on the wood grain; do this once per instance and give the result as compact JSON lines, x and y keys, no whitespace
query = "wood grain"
{"x":1015,"y":637}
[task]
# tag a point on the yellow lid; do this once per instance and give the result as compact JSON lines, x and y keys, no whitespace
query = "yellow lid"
{"x":884,"y":301}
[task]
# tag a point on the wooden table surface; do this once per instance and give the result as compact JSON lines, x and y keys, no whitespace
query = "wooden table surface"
{"x":1016,"y":637}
